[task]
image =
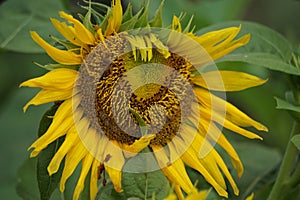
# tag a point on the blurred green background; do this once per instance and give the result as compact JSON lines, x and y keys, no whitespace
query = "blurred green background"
{"x":18,"y":52}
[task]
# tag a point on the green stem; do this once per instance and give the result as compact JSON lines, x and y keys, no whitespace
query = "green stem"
{"x":295,"y":177}
{"x":286,"y":166}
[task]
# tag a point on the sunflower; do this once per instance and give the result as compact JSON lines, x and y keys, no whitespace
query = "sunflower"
{"x":127,"y":87}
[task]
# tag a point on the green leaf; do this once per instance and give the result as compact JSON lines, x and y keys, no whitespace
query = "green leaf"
{"x":282,"y":104}
{"x":47,"y":184}
{"x":27,"y":187}
{"x":265,"y":60}
{"x":157,"y":20}
{"x":57,"y":66}
{"x":205,"y":12}
{"x":143,"y":17}
{"x":127,"y":14}
{"x":17,"y":18}
{"x":296,"y":141}
{"x":263,"y":39}
{"x":259,"y":161}
{"x":145,"y":186}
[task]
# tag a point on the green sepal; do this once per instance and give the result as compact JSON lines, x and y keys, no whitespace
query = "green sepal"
{"x":188,"y":28}
{"x":130,"y":24}
{"x":47,"y":184}
{"x":157,"y":20}
{"x":142,"y":123}
{"x":66,"y":44}
{"x":143,"y":18}
{"x":57,"y":66}
{"x":296,"y":141}
{"x":128,"y":13}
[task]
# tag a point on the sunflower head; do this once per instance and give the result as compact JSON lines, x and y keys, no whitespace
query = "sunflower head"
{"x":130,"y":87}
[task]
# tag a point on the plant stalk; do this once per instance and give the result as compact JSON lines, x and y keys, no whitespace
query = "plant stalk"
{"x":286,"y":166}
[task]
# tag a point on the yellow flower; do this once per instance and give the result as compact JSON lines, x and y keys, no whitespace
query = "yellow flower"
{"x":96,"y":123}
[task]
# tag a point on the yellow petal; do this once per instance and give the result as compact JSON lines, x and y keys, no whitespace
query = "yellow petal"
{"x":195,"y":195}
{"x":94,"y":179}
{"x":47,"y":96}
{"x":215,"y":134}
{"x":227,"y":80}
{"x":175,"y":171}
{"x":171,"y":197}
{"x":62,"y":121}
{"x":67,"y":31}
{"x":57,"y":79}
{"x":74,"y":156}
{"x":113,"y":163}
{"x":214,"y":37}
{"x":71,"y":140}
{"x":138,"y":145}
{"x":223,"y":50}
{"x":86,"y":165}
{"x":82,"y":33}
{"x":233,"y":114}
{"x":250,"y":197}
{"x":115,"y":20}
{"x":190,"y":157}
{"x":176,"y":25}
{"x":61,"y":56}
{"x":178,"y":191}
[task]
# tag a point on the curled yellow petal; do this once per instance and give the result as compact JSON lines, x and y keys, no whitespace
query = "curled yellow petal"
{"x":250,"y":197}
{"x":138,"y":145}
{"x":47,"y":96}
{"x":115,"y":20}
{"x":176,"y":25}
{"x":82,"y":33}
{"x":57,"y":79}
{"x":67,"y":31}
{"x":227,"y":80}
{"x":94,"y":179}
{"x":86,"y":165}
{"x":61,"y":56}
{"x":113,"y":163}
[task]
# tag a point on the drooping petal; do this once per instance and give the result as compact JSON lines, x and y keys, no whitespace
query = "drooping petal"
{"x":71,"y":140}
{"x":190,"y":157}
{"x":67,"y":31}
{"x":210,"y":130}
{"x":113,"y":163}
{"x":86,"y":165}
{"x":227,"y":80}
{"x":94,"y":179}
{"x":74,"y":156}
{"x":82,"y":33}
{"x":195,"y":195}
{"x":233,"y":114}
{"x":62,"y":121}
{"x":214,"y":37}
{"x":61,"y":56}
{"x":176,"y":25}
{"x":137,"y":146}
{"x":115,"y":20}
{"x":47,"y":96}
{"x":174,"y":171}
{"x":57,"y":79}
{"x":223,"y":50}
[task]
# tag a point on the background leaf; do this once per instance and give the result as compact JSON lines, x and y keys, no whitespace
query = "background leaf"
{"x":17,"y":18}
{"x":282,"y":104}
{"x":296,"y":140}
{"x":27,"y":183}
{"x":47,"y":184}
{"x":205,"y":12}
